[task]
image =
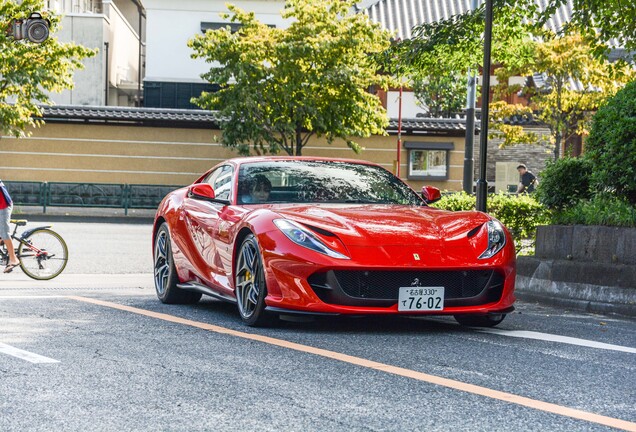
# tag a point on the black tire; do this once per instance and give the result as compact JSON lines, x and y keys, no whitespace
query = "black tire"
{"x":480,"y":320}
{"x":44,"y":256}
{"x":251,"y":288}
{"x":165,"y":272}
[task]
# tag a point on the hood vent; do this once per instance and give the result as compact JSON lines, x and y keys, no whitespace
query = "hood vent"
{"x":474,"y":231}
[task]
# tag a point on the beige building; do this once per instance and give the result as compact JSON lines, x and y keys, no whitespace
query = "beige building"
{"x":123,"y":145}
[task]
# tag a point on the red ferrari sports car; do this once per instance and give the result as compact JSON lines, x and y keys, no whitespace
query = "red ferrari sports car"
{"x":298,"y":235}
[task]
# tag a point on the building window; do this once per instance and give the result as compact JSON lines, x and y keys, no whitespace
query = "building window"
{"x":428,"y":161}
{"x":174,"y":94}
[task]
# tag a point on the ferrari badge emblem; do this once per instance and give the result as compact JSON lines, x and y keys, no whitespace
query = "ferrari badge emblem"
{"x":416,"y":256}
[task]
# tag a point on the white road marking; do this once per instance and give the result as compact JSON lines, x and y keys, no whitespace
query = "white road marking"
{"x":25,"y":355}
{"x":556,"y":338}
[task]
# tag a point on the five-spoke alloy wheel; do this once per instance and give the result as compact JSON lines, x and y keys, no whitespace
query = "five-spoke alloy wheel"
{"x":250,"y":284}
{"x":165,"y":273}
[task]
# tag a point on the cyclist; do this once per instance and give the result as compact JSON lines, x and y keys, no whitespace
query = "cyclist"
{"x":6,"y":207}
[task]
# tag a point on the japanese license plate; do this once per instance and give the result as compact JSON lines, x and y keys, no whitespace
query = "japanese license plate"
{"x":421,"y":299}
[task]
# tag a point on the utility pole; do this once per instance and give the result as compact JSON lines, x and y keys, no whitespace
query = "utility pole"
{"x":469,"y":161}
{"x":482,"y":183}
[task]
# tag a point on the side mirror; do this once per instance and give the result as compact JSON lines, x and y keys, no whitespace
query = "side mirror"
{"x":430,"y":194}
{"x":201,"y":191}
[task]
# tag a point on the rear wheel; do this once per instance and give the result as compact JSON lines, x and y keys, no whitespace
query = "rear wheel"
{"x":166,"y":278}
{"x":480,"y":320}
{"x":250,"y":284}
{"x":43,"y":255}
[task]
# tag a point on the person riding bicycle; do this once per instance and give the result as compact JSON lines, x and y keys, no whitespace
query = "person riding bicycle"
{"x":6,"y":207}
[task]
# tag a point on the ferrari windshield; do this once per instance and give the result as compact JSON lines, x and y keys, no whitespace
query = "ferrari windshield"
{"x":305,"y":181}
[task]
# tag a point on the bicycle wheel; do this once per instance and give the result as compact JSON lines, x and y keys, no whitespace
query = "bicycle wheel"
{"x":43,"y":255}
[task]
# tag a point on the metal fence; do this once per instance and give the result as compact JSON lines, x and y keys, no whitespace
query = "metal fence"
{"x":109,"y":195}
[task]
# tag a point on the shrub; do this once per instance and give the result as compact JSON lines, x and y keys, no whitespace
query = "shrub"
{"x":456,"y":202}
{"x":600,"y":210}
{"x":611,"y":146}
{"x":519,"y":213}
{"x":564,"y":182}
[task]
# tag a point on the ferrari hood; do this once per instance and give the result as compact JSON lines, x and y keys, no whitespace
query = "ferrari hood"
{"x":391,"y":225}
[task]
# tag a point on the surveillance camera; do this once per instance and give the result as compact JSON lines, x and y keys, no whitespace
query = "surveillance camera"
{"x":35,"y":28}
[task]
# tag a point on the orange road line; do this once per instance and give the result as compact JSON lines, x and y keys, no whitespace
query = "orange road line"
{"x":358,"y":361}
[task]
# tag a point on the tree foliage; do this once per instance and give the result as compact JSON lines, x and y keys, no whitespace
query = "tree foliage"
{"x":443,"y":95}
{"x":456,"y":44}
{"x":444,"y":50}
{"x":521,"y":46}
{"x":602,"y":20}
{"x":28,"y":71}
{"x":564,"y":60}
{"x":564,"y":182}
{"x":280,"y":87}
{"x":611,"y":146}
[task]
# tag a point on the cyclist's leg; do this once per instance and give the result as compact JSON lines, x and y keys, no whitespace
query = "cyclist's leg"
{"x":5,"y":235}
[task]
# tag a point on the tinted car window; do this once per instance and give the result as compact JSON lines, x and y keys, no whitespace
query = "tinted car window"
{"x":326,"y":181}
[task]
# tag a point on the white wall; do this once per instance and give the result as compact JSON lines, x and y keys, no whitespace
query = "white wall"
{"x":92,"y":30}
{"x":89,"y":31}
{"x":171,"y":24}
{"x":124,"y":48}
{"x":410,"y":109}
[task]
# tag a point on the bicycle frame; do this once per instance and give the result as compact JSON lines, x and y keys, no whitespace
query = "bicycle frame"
{"x":4,"y":256}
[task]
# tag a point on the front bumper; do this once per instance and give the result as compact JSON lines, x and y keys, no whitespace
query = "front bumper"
{"x":368,"y":284}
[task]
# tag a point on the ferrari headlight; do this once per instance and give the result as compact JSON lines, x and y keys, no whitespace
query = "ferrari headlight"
{"x":303,"y":237}
{"x":496,"y":239}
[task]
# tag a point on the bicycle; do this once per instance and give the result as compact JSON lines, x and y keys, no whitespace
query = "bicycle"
{"x":42,"y":252}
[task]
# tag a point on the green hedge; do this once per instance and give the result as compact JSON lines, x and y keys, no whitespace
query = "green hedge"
{"x":564,"y":182}
{"x":521,"y":214}
{"x":600,"y":210}
{"x":611,"y":145}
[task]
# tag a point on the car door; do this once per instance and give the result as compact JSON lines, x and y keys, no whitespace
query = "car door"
{"x":202,"y":221}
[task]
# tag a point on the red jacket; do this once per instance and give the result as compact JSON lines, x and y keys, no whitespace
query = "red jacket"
{"x":5,"y":198}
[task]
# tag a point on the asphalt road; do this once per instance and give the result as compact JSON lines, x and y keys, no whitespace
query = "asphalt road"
{"x":94,"y":350}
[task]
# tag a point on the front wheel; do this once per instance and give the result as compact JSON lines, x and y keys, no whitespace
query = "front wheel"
{"x":251,"y":289}
{"x":166,"y":278}
{"x":480,"y":320}
{"x":43,"y":254}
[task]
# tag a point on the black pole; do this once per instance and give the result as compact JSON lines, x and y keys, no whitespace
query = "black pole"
{"x":106,"y":81}
{"x":482,"y":184}
{"x":139,"y":67}
{"x":469,"y":158}
{"x":469,"y":161}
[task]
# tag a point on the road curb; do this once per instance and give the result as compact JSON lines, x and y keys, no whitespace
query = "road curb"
{"x":544,"y":281}
{"x":579,"y":305}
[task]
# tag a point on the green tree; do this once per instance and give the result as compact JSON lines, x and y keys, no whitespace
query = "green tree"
{"x":443,"y":95}
{"x":521,"y":48}
{"x":280,"y":87}
{"x":28,"y":71}
{"x":567,"y":110}
{"x":611,"y":146}
{"x":450,"y":48}
{"x":602,"y":19}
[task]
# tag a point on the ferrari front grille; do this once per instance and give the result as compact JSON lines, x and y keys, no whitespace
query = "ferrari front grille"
{"x":381,"y":288}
